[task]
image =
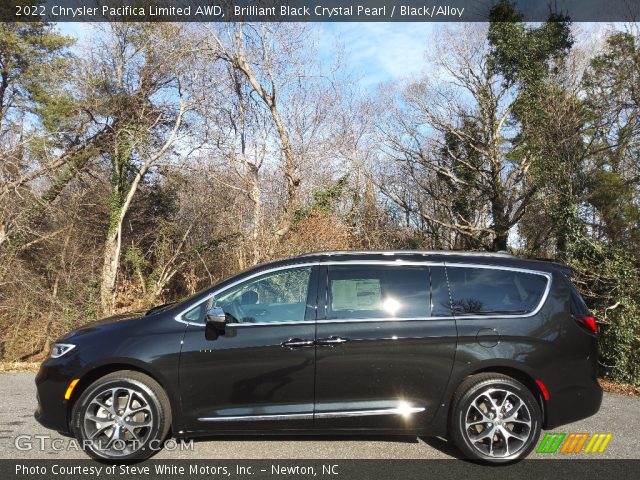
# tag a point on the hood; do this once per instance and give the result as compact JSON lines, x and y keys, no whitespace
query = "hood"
{"x":102,"y":324}
{"x":116,"y":318}
{"x":159,"y":308}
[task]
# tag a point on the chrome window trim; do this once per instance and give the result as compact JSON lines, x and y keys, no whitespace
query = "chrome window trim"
{"x":264,"y":324}
{"x":310,"y":416}
{"x":397,"y":262}
{"x":339,"y":320}
{"x":425,"y":253}
{"x":383,"y":319}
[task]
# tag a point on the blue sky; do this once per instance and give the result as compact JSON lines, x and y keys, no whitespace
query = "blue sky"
{"x":374,"y":52}
{"x":379,"y":52}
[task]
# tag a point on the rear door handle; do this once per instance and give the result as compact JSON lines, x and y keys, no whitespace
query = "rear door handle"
{"x":297,"y":343}
{"x":331,"y":341}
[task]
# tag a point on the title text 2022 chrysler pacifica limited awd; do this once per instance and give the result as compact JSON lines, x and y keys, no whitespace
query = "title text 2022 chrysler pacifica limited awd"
{"x":484,"y":349}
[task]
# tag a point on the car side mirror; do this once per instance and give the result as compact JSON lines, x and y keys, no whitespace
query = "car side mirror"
{"x":217,"y":319}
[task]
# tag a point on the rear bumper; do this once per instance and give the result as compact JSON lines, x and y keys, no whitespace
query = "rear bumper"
{"x":573,"y":403}
{"x":52,"y":409}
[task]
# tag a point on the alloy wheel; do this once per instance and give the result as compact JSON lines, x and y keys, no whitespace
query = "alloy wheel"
{"x":118,"y":421}
{"x":498,"y":423}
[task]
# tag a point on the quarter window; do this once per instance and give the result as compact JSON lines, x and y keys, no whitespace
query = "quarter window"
{"x":196,"y":314}
{"x":361,"y":292}
{"x":488,"y":291}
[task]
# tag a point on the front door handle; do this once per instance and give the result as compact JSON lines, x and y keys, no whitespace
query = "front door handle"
{"x":297,"y":343}
{"x":331,"y":341}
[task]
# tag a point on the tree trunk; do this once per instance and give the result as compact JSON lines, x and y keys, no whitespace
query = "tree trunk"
{"x":500,"y":228}
{"x":4,"y":84}
{"x":113,"y":243}
{"x":254,"y":195}
{"x":111,"y":261}
{"x":291,"y":173}
{"x":500,"y":241}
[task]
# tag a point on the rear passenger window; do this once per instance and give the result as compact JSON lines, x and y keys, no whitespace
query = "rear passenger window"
{"x":359,"y":292}
{"x":489,"y":291}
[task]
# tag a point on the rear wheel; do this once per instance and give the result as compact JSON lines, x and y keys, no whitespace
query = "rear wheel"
{"x":124,"y":415}
{"x":495,"y":418}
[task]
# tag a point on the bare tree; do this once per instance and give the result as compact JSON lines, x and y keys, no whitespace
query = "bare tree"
{"x":452,"y":129}
{"x":278,"y":94}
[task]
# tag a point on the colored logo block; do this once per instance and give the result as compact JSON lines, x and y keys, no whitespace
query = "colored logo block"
{"x":577,"y":442}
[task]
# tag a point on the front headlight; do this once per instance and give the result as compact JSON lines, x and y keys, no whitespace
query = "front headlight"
{"x":59,"y":349}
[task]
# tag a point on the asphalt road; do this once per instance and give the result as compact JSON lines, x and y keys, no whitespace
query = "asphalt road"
{"x":619,"y":415}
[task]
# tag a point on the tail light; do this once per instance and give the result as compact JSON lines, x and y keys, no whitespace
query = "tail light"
{"x":589,"y":323}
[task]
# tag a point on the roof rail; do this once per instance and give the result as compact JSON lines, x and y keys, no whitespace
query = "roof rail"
{"x":408,"y":252}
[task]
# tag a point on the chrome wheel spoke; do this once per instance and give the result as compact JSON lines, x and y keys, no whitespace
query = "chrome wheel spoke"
{"x":146,"y":423}
{"x":478,"y":407}
{"x":487,"y":433}
{"x":510,"y":434}
{"x":115,"y":436}
{"x":492,"y":401}
{"x":132,"y":431}
{"x":491,"y":441}
{"x":98,"y":420}
{"x":505,"y":440}
{"x":518,"y":421}
{"x":133,"y":411}
{"x":514,"y":408}
{"x":100,"y":430}
{"x":98,"y":400}
{"x":477,"y":422}
{"x":128,"y":405}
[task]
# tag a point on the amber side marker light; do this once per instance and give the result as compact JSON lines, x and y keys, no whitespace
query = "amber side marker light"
{"x":72,"y":385}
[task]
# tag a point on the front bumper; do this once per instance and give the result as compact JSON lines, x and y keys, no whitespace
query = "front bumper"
{"x":52,"y":411}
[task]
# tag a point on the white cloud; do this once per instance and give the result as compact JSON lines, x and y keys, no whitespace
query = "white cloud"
{"x":82,"y":31}
{"x":380,"y":52}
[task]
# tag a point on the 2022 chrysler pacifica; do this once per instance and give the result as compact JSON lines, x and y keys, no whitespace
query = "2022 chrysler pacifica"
{"x":485,"y":349}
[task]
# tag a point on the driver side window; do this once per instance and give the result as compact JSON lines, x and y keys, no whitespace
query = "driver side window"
{"x":279,"y":296}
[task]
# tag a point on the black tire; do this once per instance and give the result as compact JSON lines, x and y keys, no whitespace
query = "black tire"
{"x":497,"y":395}
{"x":143,"y":422}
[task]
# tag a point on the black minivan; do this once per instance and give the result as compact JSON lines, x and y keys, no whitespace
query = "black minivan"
{"x":482,"y":348}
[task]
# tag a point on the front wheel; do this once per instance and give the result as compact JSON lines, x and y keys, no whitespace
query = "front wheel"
{"x":124,"y":415}
{"x":495,"y":418}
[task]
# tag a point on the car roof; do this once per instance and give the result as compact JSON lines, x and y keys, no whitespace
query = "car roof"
{"x":446,"y":256}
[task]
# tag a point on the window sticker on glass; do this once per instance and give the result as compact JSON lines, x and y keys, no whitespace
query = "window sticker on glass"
{"x":356,"y":294}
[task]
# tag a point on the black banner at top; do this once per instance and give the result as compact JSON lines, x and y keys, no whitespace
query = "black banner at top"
{"x":309,"y":10}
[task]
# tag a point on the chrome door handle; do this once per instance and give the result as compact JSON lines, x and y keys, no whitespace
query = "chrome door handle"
{"x":331,"y":341}
{"x":297,"y":343}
